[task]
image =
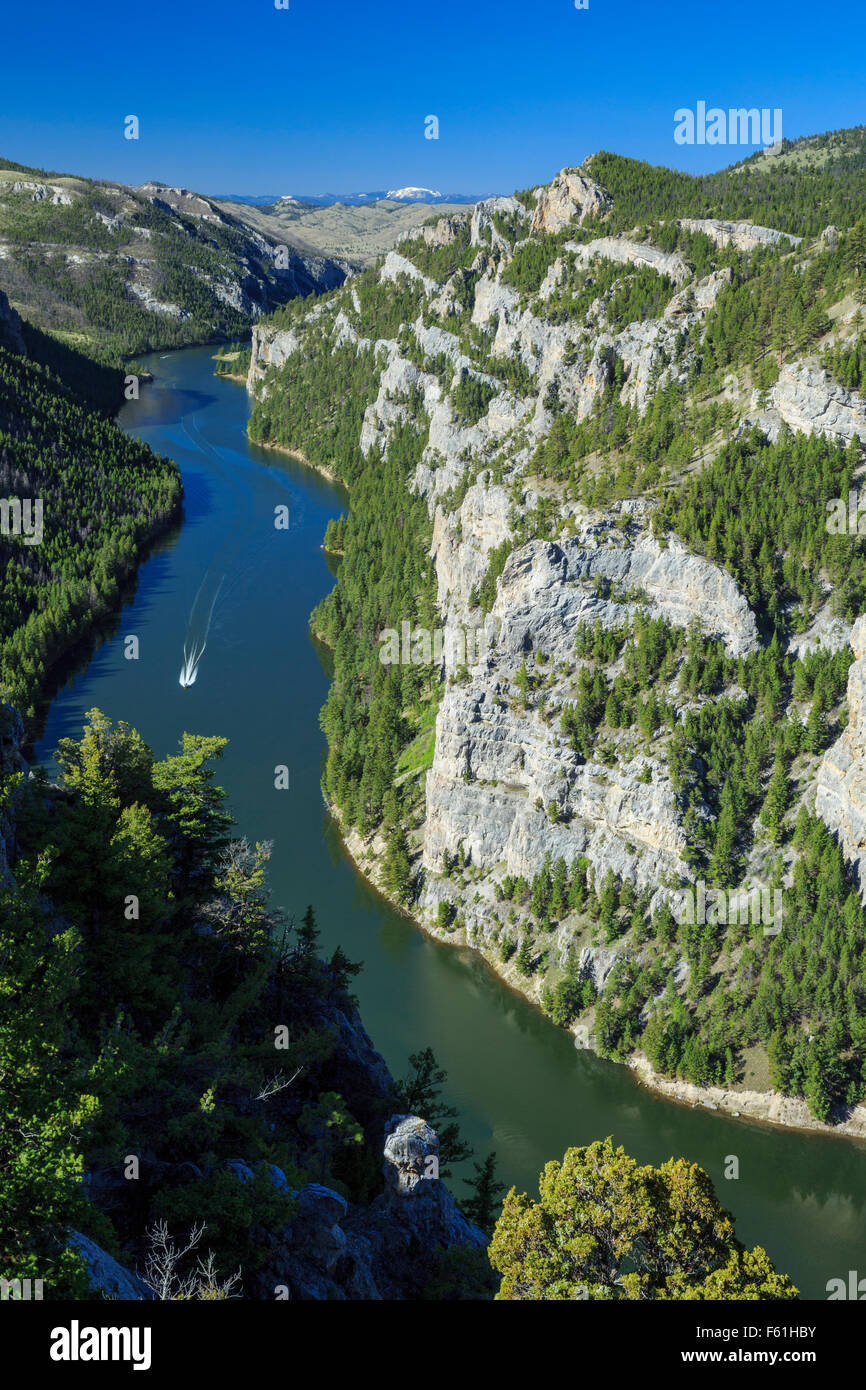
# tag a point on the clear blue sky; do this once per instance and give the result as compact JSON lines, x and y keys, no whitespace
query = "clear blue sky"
{"x":332,"y":94}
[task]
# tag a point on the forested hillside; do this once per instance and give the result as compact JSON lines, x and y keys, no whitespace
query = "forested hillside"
{"x":103,"y":497}
{"x":603,"y":424}
{"x":799,"y":187}
{"x":129,"y":270}
{"x":158,"y":1018}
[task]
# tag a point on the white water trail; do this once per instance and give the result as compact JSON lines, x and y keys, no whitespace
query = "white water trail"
{"x":198,"y":627}
{"x":224,"y":564}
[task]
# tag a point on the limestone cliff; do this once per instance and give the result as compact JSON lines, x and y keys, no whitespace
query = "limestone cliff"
{"x":529,"y":320}
{"x":505,"y":788}
{"x":840,"y":792}
{"x":806,"y":398}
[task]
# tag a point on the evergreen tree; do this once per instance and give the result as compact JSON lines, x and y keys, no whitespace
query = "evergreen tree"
{"x":603,"y":1229}
{"x":483,"y":1207}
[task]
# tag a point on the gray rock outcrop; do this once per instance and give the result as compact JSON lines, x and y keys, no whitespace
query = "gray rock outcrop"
{"x":807,"y":399}
{"x":108,"y":1278}
{"x":840,"y":788}
{"x":745,"y":236}
{"x":387,"y":1250}
{"x":571,"y":196}
{"x":626,"y":252}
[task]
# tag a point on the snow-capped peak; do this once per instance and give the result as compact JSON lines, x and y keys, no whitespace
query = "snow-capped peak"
{"x":408,"y":194}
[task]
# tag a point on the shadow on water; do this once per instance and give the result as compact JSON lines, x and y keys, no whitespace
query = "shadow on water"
{"x":163,"y":404}
{"x":86,"y":664}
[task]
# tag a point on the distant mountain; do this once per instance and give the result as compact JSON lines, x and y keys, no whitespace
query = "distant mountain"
{"x":254,"y":199}
{"x":326,"y":200}
{"x":357,"y":232}
{"x":124,"y":270}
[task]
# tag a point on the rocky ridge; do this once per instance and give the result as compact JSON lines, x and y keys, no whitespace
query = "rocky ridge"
{"x":840,"y":792}
{"x":505,"y":791}
{"x":156,"y":240}
{"x":332,"y":1249}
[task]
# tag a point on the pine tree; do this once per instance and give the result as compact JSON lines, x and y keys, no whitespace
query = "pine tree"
{"x":421,"y":1094}
{"x":485,"y":1204}
{"x":308,"y":932}
{"x":397,"y":867}
{"x":524,"y":961}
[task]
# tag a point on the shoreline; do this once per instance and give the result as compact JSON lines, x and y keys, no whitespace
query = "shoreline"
{"x":69,"y":652}
{"x":300,"y":458}
{"x":769,"y":1109}
{"x":297,"y":454}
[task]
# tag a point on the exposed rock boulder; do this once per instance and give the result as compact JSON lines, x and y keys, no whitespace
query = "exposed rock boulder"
{"x":745,"y":236}
{"x":806,"y":398}
{"x":570,"y":196}
{"x":108,"y":1279}
{"x":416,"y":1217}
{"x":334,"y":1250}
{"x":840,"y":794}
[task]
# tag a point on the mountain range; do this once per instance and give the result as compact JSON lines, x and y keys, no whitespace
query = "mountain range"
{"x":399,"y":195}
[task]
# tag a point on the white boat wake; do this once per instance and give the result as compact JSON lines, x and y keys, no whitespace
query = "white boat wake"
{"x":198,"y":627}
{"x":224,"y":564}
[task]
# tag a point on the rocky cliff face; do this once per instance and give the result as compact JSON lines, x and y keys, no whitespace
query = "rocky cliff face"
{"x":627,"y":252}
{"x":506,"y":791}
{"x":745,"y":236}
{"x":334,"y":1250}
{"x":840,"y":793}
{"x":499,"y":768}
{"x":571,"y":197}
{"x":11,"y":336}
{"x":807,"y":399}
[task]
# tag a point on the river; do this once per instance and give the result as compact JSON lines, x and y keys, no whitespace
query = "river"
{"x":520,"y":1085}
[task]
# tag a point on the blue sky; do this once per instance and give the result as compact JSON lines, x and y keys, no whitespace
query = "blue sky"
{"x":333,"y":94}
